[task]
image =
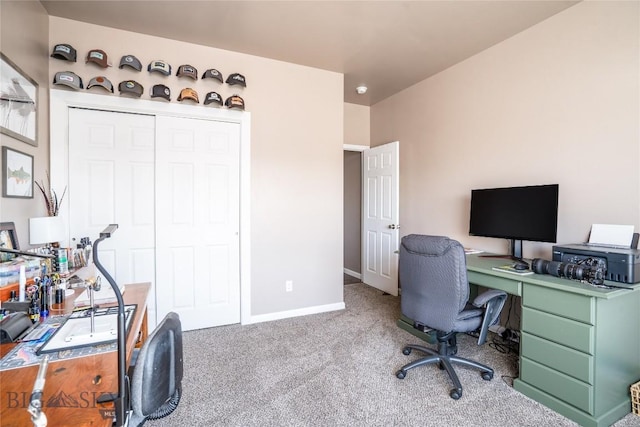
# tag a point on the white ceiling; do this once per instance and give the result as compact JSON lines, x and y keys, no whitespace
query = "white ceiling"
{"x":386,"y":45}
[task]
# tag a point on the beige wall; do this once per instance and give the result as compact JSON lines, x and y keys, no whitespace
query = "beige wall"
{"x":296,"y":154}
{"x":557,"y":103}
{"x":24,"y":27}
{"x":357,"y":126}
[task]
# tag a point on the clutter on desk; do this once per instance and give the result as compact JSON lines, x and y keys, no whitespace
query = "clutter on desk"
{"x":10,"y":270}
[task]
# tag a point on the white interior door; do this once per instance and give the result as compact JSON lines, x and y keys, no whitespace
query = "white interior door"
{"x":197,"y":221}
{"x":380,"y":215}
{"x":111,"y":181}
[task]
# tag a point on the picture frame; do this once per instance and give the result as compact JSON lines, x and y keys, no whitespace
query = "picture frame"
{"x":8,"y":236}
{"x":17,"y":174}
{"x":8,"y":240}
{"x":18,"y":103}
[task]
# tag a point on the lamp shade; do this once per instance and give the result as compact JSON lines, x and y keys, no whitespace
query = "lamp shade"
{"x":47,"y":229}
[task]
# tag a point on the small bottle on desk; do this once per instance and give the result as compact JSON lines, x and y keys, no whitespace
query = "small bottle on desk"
{"x":44,"y":297}
{"x":63,"y":265}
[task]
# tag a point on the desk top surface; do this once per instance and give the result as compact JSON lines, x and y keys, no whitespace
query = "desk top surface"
{"x":72,"y":385}
{"x":480,"y":263}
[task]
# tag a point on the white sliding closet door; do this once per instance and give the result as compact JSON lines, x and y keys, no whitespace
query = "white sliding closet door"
{"x":197,"y":221}
{"x":111,"y":181}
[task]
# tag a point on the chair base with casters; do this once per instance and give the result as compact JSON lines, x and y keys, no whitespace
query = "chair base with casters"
{"x":445,"y":357}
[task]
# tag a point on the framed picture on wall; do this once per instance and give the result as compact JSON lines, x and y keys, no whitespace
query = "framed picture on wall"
{"x":17,"y":174}
{"x":8,"y":240}
{"x":18,"y":103}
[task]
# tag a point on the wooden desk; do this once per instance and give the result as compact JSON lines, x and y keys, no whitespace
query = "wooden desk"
{"x":73,"y":385}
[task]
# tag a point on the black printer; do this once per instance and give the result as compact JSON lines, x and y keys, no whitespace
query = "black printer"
{"x":622,"y":264}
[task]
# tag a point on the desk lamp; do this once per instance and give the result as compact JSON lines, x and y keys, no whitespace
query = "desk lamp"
{"x":47,"y":230}
{"x":120,"y":400}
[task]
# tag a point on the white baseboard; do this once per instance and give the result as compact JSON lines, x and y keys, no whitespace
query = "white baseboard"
{"x":294,"y":313}
{"x":353,"y":273}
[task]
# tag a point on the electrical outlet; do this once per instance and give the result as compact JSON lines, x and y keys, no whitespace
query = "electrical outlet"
{"x":288,"y":286}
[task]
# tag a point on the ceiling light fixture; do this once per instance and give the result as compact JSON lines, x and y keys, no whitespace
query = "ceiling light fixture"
{"x":361,"y":90}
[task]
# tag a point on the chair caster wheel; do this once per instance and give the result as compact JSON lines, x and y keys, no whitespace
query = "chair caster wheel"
{"x":455,"y":394}
{"x":401,"y":374}
{"x":487,"y":376}
{"x":406,"y":351}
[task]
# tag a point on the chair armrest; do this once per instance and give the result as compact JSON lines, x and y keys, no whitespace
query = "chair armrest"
{"x":484,"y":297}
{"x":493,"y":300}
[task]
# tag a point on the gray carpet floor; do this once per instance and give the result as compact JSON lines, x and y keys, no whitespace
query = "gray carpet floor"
{"x":338,"y":369}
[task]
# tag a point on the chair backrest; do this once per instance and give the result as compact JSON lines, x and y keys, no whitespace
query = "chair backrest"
{"x":433,"y":279}
{"x":158,"y":370}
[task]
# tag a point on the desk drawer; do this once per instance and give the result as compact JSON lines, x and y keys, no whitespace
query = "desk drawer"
{"x":566,"y":332}
{"x":494,"y":282}
{"x":562,"y":303}
{"x":562,"y":386}
{"x":568,"y":361}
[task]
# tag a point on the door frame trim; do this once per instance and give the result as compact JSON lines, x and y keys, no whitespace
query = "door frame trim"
{"x":61,"y":100}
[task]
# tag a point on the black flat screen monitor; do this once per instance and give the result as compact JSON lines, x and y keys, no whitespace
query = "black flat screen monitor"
{"x":515,"y":213}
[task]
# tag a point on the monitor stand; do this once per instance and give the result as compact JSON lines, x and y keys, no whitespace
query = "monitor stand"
{"x":515,"y":249}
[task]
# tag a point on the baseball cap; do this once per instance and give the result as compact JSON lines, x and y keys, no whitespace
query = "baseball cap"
{"x":160,"y":66}
{"x":130,"y":61}
{"x":132,"y":87}
{"x":188,"y":93}
{"x":99,"y":57}
{"x":213,"y":97}
{"x":234,"y":101}
{"x":68,"y":78}
{"x":237,"y":79}
{"x":65,"y":52}
{"x":187,"y":71}
{"x":161,"y":91}
{"x":101,"y":81}
{"x":212,"y":73}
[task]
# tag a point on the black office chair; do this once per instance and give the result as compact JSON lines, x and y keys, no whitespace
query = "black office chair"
{"x":156,"y":383}
{"x":435,"y":294}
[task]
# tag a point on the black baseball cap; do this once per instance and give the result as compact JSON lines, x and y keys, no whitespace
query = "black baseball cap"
{"x":65,"y":52}
{"x":212,"y":73}
{"x":161,"y":91}
{"x":213,"y":97}
{"x":237,"y":79}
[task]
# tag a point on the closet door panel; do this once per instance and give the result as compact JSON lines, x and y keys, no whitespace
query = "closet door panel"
{"x":197,"y":221}
{"x":111,"y":181}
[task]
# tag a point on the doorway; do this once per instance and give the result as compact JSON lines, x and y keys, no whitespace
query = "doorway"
{"x":380,"y":206}
{"x":352,"y":209}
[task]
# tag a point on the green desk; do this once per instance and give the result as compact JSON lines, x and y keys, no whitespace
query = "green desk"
{"x":579,"y":346}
